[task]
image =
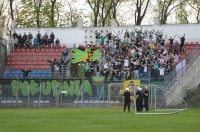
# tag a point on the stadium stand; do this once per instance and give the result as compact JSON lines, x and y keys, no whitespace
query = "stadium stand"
{"x":35,"y":60}
{"x":132,"y":47}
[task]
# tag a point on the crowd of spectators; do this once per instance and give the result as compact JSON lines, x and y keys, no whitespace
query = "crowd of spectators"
{"x":133,"y":54}
{"x":125,"y":55}
{"x":59,"y":67}
{"x":28,"y":42}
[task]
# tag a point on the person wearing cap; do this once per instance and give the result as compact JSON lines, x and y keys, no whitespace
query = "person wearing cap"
{"x":146,"y":99}
{"x":127,"y":99}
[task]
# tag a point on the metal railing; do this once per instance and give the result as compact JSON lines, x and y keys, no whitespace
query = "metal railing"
{"x":174,"y":75}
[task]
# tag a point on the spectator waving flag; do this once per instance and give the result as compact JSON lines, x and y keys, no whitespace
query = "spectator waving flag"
{"x":87,"y":55}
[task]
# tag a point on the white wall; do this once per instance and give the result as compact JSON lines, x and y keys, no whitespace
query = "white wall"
{"x":67,"y":36}
{"x":84,"y":35}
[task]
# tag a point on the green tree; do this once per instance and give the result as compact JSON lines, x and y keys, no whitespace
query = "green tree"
{"x":37,"y":13}
{"x":192,"y":97}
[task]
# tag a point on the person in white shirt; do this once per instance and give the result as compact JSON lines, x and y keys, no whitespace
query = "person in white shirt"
{"x":162,"y":72}
{"x":176,"y":58}
{"x":105,"y":66}
{"x":145,"y":70}
{"x":56,"y":69}
{"x":126,"y":62}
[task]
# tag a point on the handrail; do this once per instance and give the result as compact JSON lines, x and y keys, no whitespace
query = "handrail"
{"x":182,"y":71}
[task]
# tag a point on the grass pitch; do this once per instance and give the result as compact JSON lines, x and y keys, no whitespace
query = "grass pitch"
{"x":95,"y":120}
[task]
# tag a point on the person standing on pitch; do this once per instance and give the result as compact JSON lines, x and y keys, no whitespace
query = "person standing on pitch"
{"x":139,"y":99}
{"x":127,"y":99}
{"x":146,"y":99}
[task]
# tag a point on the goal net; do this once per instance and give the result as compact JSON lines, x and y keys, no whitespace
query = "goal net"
{"x":159,"y":101}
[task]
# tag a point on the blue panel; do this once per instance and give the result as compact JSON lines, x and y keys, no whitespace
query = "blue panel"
{"x":29,"y":75}
{"x":34,"y":71}
{"x":48,"y":75}
{"x":13,"y":71}
{"x":37,"y":75}
{"x":9,"y":71}
{"x":39,"y":71}
{"x":43,"y":75}
{"x":18,"y":71}
{"x":16,"y":75}
{"x":32,"y":75}
{"x":12,"y":75}
{"x":7,"y":75}
{"x":44,"y":71}
{"x":21,"y":75}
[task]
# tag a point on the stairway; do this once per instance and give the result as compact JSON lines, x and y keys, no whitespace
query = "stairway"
{"x":190,"y":57}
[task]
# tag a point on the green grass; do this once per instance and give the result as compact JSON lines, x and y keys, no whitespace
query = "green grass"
{"x":95,"y":120}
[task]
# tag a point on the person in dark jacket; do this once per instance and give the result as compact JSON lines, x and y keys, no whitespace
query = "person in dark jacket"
{"x":146,"y":99}
{"x":139,"y":99}
{"x":52,"y":63}
{"x":127,"y":99}
{"x":57,"y":42}
{"x":25,"y":72}
{"x":52,"y":36}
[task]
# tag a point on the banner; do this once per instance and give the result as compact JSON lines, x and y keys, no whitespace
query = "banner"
{"x":87,"y":55}
{"x":98,"y":80}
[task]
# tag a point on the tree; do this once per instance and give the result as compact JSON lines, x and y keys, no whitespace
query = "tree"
{"x":11,"y":9}
{"x":95,"y":6}
{"x":37,"y":6}
{"x":104,"y":10}
{"x":141,"y":10}
{"x":52,"y":12}
{"x":36,"y":13}
{"x":105,"y":7}
{"x":69,"y":14}
{"x":182,"y":15}
{"x":114,"y":11}
{"x":195,"y":4}
{"x":4,"y":18}
{"x":166,"y":8}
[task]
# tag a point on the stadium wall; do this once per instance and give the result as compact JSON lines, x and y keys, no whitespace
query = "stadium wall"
{"x":189,"y":80}
{"x":85,"y":35}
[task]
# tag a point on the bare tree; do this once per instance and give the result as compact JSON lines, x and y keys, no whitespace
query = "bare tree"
{"x":95,"y":6}
{"x":166,"y":8}
{"x":37,"y":5}
{"x":52,"y":12}
{"x":4,"y":17}
{"x":11,"y":9}
{"x":106,"y":7}
{"x":182,"y":15}
{"x":141,"y":10}
{"x":195,"y":4}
